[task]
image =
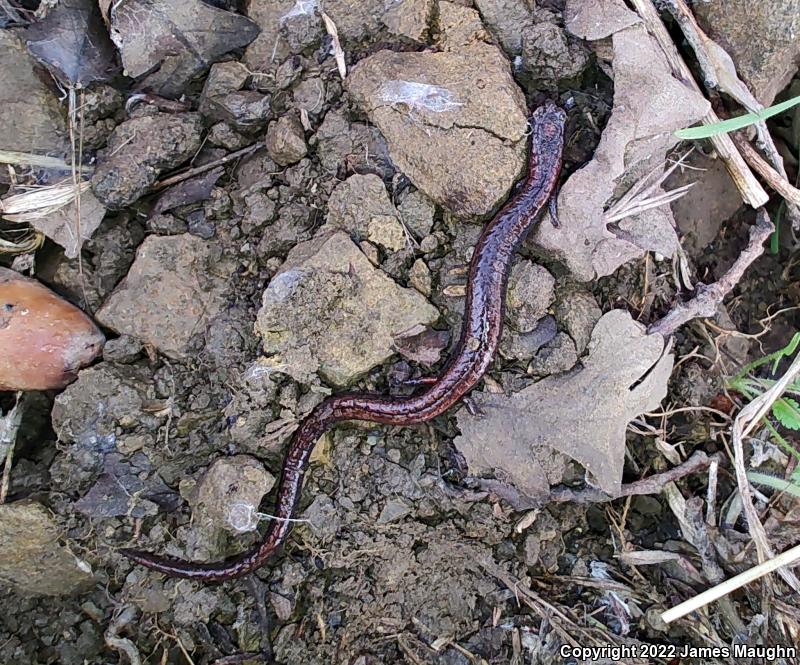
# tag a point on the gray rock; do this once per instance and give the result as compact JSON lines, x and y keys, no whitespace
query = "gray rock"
{"x":323,"y":517}
{"x":578,"y":312}
{"x":351,"y":146}
{"x":523,"y":346}
{"x":442,"y":136}
{"x":229,"y":493}
{"x":139,"y":150}
{"x":123,"y":349}
{"x":169,"y":294}
{"x":531,"y":290}
{"x":224,"y":78}
{"x":286,"y":143}
{"x":393,"y":510}
{"x":417,"y":210}
{"x":330,"y":310}
{"x":555,"y":357}
{"x":420,"y":278}
{"x":245,"y":109}
{"x":32,"y":562}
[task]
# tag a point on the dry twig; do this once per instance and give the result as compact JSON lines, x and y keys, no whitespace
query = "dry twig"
{"x":708,"y":298}
{"x":752,"y":192}
{"x":774,"y":179}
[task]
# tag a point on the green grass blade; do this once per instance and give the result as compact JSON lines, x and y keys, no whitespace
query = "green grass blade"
{"x":738,"y":122}
{"x":775,"y":483}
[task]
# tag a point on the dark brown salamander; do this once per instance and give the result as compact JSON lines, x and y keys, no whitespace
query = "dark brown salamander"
{"x":480,"y":335}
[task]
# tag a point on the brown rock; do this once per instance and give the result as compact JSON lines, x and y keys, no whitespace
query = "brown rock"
{"x":168,"y":296}
{"x":31,"y":560}
{"x":286,"y":143}
{"x":44,"y":340}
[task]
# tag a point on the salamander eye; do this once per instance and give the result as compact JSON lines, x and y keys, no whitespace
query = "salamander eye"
{"x":8,"y":307}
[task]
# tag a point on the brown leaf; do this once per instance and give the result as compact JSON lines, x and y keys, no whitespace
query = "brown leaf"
{"x":425,"y":348}
{"x":582,"y":414}
{"x":189,"y":191}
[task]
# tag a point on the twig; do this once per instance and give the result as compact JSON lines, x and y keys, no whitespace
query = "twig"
{"x":750,"y":189}
{"x":197,"y":170}
{"x":787,"y":558}
{"x":699,"y":461}
{"x":760,"y":165}
{"x":708,"y":298}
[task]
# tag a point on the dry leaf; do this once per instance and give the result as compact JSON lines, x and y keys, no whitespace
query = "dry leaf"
{"x":582,"y":414}
{"x":649,"y":104}
{"x":62,"y":226}
{"x":73,"y":41}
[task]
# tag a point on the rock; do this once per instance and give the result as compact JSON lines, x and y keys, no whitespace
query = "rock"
{"x":169,"y":294}
{"x":324,"y":519}
{"x":139,"y":150}
{"x":344,"y":146}
{"x":286,"y":143}
{"x":544,"y":51}
{"x":395,"y":509}
{"x":31,"y":560}
{"x":356,"y":20}
{"x":388,"y":232}
{"x":224,"y":78}
{"x":309,"y":94}
{"x":409,"y":18}
{"x":555,"y":357}
{"x":123,"y":349}
{"x":330,"y":310}
{"x":419,"y":277}
{"x":246,"y":109}
{"x":523,"y":346}
{"x":417,"y":211}
{"x":531,"y":290}
{"x":230,"y":492}
{"x":291,"y":226}
{"x":356,"y":202}
{"x":44,"y":340}
{"x":766,"y":63}
{"x":442,"y":136}
{"x":30,"y":117}
{"x":459,"y":26}
{"x":578,"y":312}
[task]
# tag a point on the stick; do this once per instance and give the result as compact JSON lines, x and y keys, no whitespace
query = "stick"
{"x":752,"y":192}
{"x":708,"y":298}
{"x":760,"y":165}
{"x":191,"y":173}
{"x":715,"y":593}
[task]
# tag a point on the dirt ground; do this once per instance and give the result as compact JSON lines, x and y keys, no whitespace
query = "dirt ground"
{"x":335,"y":164}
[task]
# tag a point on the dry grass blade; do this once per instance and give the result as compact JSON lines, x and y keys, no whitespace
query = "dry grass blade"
{"x":721,"y":590}
{"x":747,"y":420}
{"x":42,"y":161}
{"x":39,"y":202}
{"x":27,"y":241}
{"x":336,"y":46}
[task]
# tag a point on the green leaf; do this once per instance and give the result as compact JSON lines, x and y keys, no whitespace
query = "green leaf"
{"x":738,"y":122}
{"x":775,"y":483}
{"x":787,"y":411}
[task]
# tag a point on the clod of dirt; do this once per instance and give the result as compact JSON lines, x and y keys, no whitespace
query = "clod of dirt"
{"x":409,"y":18}
{"x":44,"y":340}
{"x":229,"y":493}
{"x":523,"y":346}
{"x":445,"y":116}
{"x":73,"y":41}
{"x":330,"y":310}
{"x":141,"y":148}
{"x":168,"y":43}
{"x":30,"y":117}
{"x":531,"y":290}
{"x":556,"y":356}
{"x":417,"y":211}
{"x":286,"y":142}
{"x":582,"y":414}
{"x":356,"y":202}
{"x":271,"y":46}
{"x":170,"y":294}
{"x":767,"y":63}
{"x":224,"y":100}
{"x":419,"y":276}
{"x":62,"y":228}
{"x":33,"y":563}
{"x":546,"y":52}
{"x":356,"y":20}
{"x":649,"y":104}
